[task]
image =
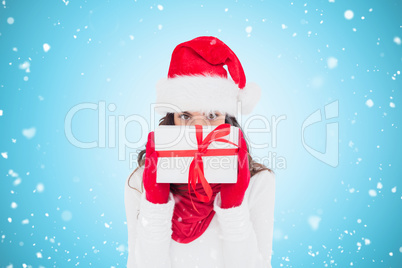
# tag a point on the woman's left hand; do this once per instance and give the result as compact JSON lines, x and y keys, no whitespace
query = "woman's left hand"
{"x":232,"y":194}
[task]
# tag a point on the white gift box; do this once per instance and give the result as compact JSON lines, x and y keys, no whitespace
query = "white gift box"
{"x":181,"y":140}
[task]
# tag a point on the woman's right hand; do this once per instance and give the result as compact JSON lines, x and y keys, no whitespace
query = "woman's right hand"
{"x":157,"y":193}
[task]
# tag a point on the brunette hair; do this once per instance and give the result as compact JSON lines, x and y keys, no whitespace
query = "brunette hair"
{"x":254,"y":167}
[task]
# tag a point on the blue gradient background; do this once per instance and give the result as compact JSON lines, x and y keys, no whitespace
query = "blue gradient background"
{"x":84,"y":188}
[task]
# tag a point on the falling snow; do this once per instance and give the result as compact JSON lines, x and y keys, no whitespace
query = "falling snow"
{"x":369,"y":103}
{"x":349,"y":14}
{"x":10,"y":20}
{"x":64,"y":205}
{"x":372,"y":192}
{"x":46,"y":47}
{"x":29,"y":133}
{"x":332,"y":62}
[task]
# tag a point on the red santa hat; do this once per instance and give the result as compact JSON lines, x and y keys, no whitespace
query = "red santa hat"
{"x":198,"y":81}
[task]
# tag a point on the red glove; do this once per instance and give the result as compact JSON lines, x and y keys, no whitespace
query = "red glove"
{"x":157,"y":193}
{"x":232,"y":194}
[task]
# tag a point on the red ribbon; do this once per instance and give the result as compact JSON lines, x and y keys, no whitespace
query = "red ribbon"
{"x":196,"y":171}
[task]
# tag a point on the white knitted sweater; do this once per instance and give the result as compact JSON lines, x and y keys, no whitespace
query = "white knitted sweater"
{"x":236,"y":237}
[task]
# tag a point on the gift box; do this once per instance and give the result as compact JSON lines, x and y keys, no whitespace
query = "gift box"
{"x":196,"y":153}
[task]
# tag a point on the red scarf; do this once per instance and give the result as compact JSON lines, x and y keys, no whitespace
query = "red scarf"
{"x":187,"y":223}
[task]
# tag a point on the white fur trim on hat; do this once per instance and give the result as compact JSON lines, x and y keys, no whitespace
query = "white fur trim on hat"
{"x":249,"y":97}
{"x":204,"y":94}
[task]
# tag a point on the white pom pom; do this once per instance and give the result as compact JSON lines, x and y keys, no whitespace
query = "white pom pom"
{"x":249,"y":97}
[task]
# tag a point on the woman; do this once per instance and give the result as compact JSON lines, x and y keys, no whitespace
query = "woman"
{"x":233,"y":229}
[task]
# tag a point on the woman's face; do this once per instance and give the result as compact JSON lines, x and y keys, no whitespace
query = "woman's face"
{"x":196,"y":118}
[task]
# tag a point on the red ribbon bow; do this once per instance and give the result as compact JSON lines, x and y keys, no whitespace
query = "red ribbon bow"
{"x":196,"y":171}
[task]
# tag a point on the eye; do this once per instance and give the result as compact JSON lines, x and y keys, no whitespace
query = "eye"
{"x":184,"y":116}
{"x":212,"y":116}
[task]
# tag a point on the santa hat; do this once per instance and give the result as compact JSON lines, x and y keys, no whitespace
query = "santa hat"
{"x":198,"y":81}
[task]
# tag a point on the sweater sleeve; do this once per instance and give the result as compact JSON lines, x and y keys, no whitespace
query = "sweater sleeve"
{"x":149,"y":228}
{"x":247,"y":230}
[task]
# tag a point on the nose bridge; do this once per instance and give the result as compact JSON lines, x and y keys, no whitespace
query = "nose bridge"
{"x":199,"y":120}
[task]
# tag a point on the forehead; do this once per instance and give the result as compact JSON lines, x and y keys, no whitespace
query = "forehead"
{"x":193,"y":112}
